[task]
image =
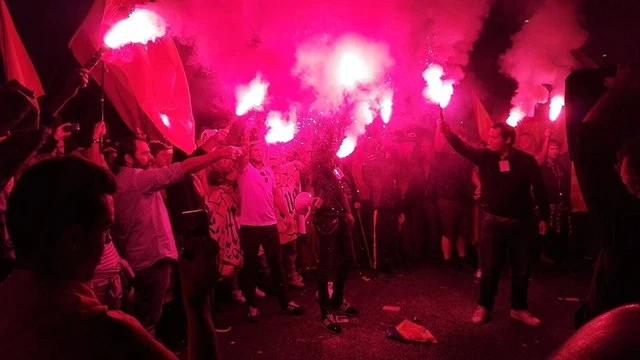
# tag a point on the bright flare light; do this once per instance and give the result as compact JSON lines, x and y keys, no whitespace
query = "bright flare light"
{"x":353,"y":70}
{"x":280,"y":130}
{"x":347,"y":147}
{"x":386,"y":108}
{"x":438,"y":91}
{"x":555,"y":107}
{"x":515,"y":116}
{"x":251,"y":96}
{"x":165,"y":120}
{"x":141,"y":27}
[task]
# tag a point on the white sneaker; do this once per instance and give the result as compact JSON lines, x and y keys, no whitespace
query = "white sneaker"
{"x":525,"y":316}
{"x":260,"y":293}
{"x":480,"y":315}
{"x":238,"y":297}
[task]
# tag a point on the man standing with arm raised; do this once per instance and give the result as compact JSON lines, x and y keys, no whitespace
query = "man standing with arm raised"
{"x":507,"y":176}
{"x":260,"y":204}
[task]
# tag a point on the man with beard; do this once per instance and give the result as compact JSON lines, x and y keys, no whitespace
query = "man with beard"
{"x":507,"y":176}
{"x":142,"y":231}
{"x":333,"y":222}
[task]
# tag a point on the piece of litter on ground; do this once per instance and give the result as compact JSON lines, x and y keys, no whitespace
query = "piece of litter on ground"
{"x":410,"y":332}
{"x":391,"y":308}
{"x":524,"y":345}
{"x":233,"y":343}
{"x":366,"y":278}
{"x":260,"y":352}
{"x":342,"y":319}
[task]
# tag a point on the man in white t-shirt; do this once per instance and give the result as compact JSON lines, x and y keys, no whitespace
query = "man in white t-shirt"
{"x":259,"y":198}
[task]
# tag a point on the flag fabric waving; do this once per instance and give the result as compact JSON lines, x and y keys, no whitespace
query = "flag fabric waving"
{"x":146,"y":83}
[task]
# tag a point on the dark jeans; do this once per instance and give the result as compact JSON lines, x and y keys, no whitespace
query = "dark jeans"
{"x":150,"y":287}
{"x":500,"y":237}
{"x":335,"y":251}
{"x":386,"y":237}
{"x":251,"y":237}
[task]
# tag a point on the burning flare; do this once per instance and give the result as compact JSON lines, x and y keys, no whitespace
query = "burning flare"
{"x":515,"y":116}
{"x":347,"y":147}
{"x":437,"y":91}
{"x":280,"y":130}
{"x":555,"y":107}
{"x":353,"y":70}
{"x":252,"y":96}
{"x":386,"y":107}
{"x":141,"y":27}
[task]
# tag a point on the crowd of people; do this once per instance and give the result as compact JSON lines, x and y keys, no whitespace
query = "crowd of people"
{"x":91,"y":235}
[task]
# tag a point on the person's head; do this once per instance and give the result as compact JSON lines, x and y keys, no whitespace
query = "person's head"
{"x":629,"y":166}
{"x":134,"y":152}
{"x":554,"y":150}
{"x":256,"y":153}
{"x":58,"y":215}
{"x":162,"y":153}
{"x":501,"y":137}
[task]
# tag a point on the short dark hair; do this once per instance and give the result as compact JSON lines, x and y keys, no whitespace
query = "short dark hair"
{"x":126,"y":146}
{"x":51,"y":196}
{"x":506,"y":131}
{"x":156,"y":146}
{"x":554,"y":142}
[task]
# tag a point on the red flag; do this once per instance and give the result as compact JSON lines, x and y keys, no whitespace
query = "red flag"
{"x":146,"y":83}
{"x":16,"y":61}
{"x":483,"y":120}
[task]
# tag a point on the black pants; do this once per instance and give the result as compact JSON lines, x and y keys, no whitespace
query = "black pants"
{"x":150,"y":288}
{"x":335,"y":250}
{"x":501,"y":237}
{"x":386,"y":238}
{"x":251,"y":237}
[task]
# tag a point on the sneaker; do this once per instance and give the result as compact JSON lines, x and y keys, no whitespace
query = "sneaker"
{"x":478,"y":273}
{"x":330,"y":323}
{"x":253,"y":314}
{"x":260,"y":293}
{"x":480,"y":315}
{"x":525,"y":317}
{"x":238,"y":297}
{"x":296,"y":281}
{"x":347,"y":309}
{"x":293,"y":309}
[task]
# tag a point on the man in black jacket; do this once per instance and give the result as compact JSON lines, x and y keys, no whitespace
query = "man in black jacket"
{"x":607,"y":163}
{"x":507,"y":176}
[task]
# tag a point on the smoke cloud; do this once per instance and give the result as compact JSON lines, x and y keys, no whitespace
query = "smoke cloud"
{"x":541,"y":55}
{"x":296,"y":45}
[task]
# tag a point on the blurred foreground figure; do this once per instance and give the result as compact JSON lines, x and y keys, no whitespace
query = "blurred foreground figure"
{"x":607,"y":162}
{"x":58,"y":216}
{"x":613,"y":335}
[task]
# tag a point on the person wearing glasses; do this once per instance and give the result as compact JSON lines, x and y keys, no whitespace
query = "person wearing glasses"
{"x":261,"y":203}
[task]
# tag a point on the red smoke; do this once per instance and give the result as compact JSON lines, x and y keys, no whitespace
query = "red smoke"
{"x":541,"y":55}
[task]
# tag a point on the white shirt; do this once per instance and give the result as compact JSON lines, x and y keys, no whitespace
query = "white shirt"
{"x":256,"y":187}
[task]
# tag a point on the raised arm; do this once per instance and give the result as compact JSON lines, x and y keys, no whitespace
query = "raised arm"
{"x":474,"y":155}
{"x":157,"y":179}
